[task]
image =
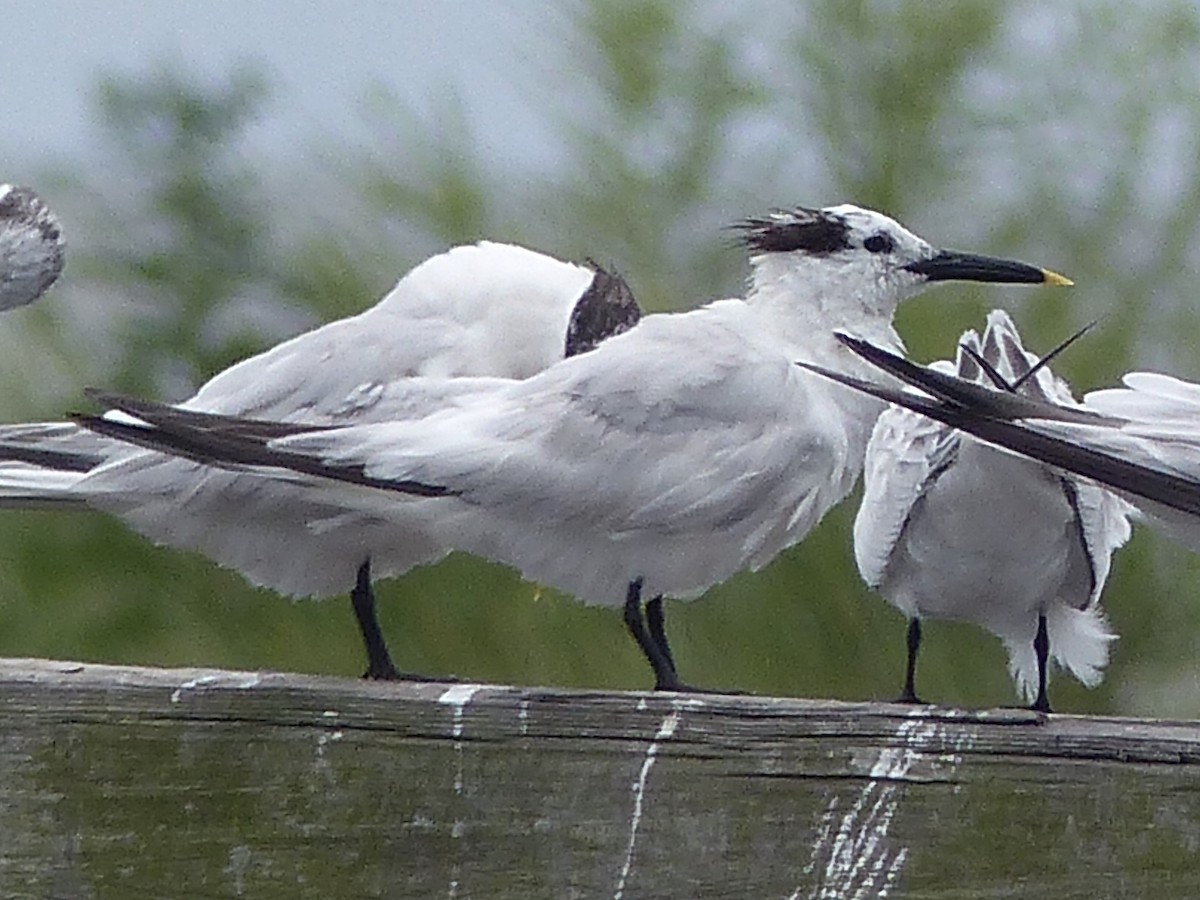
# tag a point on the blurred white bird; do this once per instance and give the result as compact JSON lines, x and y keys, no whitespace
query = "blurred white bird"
{"x":1142,"y":441}
{"x":668,"y":459}
{"x":952,"y":528}
{"x":31,"y":246}
{"x":483,"y":310}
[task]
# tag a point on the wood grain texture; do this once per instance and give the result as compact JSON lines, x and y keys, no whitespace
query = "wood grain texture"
{"x":122,"y":782}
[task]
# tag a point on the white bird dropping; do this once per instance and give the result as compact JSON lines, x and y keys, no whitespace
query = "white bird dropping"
{"x":661,"y":463}
{"x":31,"y":247}
{"x":951,"y":528}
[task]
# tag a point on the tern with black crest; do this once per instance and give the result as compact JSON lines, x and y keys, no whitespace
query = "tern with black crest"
{"x":671,"y":457}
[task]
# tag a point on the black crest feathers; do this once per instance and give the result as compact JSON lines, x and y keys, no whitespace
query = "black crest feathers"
{"x":814,"y":231}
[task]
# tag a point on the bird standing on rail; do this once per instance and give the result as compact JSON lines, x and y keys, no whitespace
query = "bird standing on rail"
{"x":1140,"y":441}
{"x":673,"y":456}
{"x":952,"y":528}
{"x":31,"y":246}
{"x":483,"y":310}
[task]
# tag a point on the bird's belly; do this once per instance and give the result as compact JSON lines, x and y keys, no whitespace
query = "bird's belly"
{"x":988,"y":545}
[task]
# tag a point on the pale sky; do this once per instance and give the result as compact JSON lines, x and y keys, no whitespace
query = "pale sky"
{"x":321,"y":56}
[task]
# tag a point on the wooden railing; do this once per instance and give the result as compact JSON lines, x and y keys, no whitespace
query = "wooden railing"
{"x":147,"y":783}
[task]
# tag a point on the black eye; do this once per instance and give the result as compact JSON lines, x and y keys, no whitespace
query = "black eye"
{"x":879,"y":243}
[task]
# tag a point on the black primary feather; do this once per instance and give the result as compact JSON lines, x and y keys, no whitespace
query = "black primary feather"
{"x":231,"y":442}
{"x":989,"y":415}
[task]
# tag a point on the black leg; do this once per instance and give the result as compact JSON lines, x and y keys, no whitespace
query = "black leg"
{"x":654,"y":619}
{"x":1041,"y":646}
{"x":665,"y":678}
{"x":379,"y":661}
{"x":910,"y":674}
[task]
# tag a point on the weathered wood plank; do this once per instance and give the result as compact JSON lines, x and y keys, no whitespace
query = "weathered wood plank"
{"x":120,"y":782}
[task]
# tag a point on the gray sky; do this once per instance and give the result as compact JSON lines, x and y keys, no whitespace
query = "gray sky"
{"x":321,"y":55}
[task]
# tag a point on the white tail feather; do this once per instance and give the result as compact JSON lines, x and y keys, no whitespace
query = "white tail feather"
{"x":1079,"y":642}
{"x":30,"y":487}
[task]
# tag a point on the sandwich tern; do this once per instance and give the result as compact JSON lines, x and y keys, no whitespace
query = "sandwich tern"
{"x":670,"y":458}
{"x":952,"y":528}
{"x":483,"y":310}
{"x":31,"y":246}
{"x":1141,"y":441}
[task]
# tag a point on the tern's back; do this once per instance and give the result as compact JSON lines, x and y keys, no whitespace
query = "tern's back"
{"x":486,"y":309}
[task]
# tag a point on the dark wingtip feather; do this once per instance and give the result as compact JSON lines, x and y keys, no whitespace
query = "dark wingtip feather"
{"x":230,"y":442}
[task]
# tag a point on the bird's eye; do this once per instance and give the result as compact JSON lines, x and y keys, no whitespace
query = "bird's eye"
{"x":879,"y":243}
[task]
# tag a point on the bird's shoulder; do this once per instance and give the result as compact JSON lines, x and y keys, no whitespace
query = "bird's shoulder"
{"x":478,"y":310}
{"x":466,"y":284}
{"x":481,"y":309}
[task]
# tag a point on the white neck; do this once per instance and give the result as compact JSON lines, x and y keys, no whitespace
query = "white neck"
{"x":807,"y":304}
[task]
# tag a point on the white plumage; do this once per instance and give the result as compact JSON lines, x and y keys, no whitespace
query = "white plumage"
{"x":484,"y":310}
{"x":673,"y":456}
{"x":1158,"y":428}
{"x":952,"y":528}
{"x":1141,"y":441}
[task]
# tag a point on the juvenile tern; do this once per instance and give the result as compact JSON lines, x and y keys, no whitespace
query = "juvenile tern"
{"x":483,"y":310}
{"x":952,"y":528}
{"x":660,"y":464}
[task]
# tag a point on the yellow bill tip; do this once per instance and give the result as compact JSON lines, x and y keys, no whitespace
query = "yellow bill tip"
{"x":1055,"y":279}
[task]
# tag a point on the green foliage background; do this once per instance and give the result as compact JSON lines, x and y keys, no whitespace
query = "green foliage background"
{"x":1062,"y":134}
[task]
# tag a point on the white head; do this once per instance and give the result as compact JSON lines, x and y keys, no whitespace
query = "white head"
{"x":845,"y":260}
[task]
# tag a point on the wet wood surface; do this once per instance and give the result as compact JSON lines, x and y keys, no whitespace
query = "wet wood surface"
{"x":150,"y":783}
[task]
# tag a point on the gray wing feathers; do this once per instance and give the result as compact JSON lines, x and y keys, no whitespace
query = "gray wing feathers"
{"x":905,"y":455}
